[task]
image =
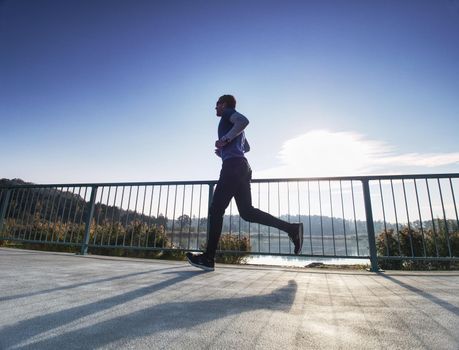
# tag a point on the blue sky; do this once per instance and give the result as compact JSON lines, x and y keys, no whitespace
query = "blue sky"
{"x":103,"y":91}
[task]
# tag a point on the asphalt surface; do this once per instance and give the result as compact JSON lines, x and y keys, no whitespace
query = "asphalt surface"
{"x":64,"y":301}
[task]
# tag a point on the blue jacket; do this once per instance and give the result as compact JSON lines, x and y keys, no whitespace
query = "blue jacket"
{"x":239,"y":145}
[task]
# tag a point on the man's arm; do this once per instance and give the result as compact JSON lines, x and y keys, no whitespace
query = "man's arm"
{"x":239,"y":124}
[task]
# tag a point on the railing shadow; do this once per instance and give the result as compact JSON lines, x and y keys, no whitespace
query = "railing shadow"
{"x":165,"y":317}
{"x":82,"y":284}
{"x":432,"y":298}
{"x":43,"y":323}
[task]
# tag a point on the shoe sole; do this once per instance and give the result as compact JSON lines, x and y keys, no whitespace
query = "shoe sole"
{"x":202,"y":267}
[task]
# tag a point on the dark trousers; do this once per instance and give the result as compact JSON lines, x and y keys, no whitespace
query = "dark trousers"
{"x":234,"y":182}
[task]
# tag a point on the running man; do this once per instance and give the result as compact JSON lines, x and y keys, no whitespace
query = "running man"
{"x":234,"y":181}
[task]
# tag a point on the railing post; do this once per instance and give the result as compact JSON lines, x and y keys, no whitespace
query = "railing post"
{"x":370,"y":226}
{"x":211,"y":196}
{"x":3,"y":208}
{"x":87,"y":231}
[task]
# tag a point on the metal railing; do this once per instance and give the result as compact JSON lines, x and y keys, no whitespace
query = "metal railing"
{"x":375,"y":217}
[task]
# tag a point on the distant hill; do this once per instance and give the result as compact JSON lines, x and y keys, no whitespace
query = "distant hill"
{"x":13,"y":182}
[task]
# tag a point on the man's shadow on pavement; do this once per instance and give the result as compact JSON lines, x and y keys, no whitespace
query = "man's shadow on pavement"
{"x":170,"y":316}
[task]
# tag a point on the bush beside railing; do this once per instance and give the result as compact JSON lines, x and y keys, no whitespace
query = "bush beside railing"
{"x":415,"y":245}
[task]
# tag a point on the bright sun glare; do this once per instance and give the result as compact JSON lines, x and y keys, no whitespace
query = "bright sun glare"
{"x":322,"y":153}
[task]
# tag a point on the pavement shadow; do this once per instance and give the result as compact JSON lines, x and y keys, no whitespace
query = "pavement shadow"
{"x":14,"y":334}
{"x":170,"y":316}
{"x":82,"y":284}
{"x":432,"y":298}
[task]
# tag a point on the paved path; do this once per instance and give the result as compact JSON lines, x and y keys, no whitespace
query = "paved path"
{"x":63,"y":301}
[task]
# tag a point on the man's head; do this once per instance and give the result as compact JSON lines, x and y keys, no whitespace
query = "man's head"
{"x":225,"y":101}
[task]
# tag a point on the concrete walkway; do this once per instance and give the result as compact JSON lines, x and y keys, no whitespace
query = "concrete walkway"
{"x":63,"y":301}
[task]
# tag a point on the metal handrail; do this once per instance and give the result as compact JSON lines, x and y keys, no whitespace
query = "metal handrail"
{"x":210,"y":182}
{"x":351,"y":214}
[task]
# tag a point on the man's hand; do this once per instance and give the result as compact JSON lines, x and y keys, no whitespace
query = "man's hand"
{"x":219,"y":144}
{"x":218,"y":152}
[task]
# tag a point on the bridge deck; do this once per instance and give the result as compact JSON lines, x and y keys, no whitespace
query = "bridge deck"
{"x":64,"y":301}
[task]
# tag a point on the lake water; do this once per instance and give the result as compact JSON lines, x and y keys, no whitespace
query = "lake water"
{"x":302,"y":261}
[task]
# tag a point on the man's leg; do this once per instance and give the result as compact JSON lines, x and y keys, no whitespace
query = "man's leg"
{"x":221,"y":199}
{"x":243,"y":197}
{"x":226,"y":187}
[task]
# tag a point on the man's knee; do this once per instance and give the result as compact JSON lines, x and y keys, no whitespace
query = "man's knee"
{"x":247,"y":213}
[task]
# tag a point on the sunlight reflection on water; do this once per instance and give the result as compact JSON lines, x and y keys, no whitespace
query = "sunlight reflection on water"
{"x":302,"y":261}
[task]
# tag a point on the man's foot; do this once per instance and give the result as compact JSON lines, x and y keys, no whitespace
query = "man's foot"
{"x":201,"y":261}
{"x":296,"y":236}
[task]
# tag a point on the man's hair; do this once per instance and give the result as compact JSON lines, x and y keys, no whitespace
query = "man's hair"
{"x":229,"y":99}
